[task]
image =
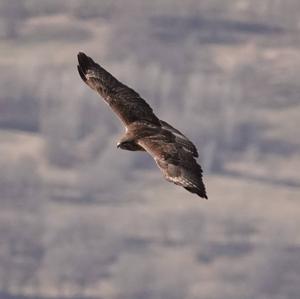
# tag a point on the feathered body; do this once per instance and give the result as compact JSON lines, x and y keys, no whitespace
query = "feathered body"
{"x":173,"y":152}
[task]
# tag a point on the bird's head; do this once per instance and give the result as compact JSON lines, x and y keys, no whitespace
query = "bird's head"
{"x":121,"y":144}
{"x":129,"y":145}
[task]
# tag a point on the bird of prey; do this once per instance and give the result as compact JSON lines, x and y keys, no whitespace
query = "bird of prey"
{"x":173,"y":152}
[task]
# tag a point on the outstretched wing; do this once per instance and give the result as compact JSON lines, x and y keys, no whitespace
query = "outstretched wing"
{"x":177,"y":164}
{"x":124,"y":101}
{"x":180,"y":138}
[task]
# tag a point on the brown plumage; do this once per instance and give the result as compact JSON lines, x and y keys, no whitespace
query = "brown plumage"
{"x":173,"y":152}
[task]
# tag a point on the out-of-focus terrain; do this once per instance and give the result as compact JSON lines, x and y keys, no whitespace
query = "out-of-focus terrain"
{"x":81,"y":219}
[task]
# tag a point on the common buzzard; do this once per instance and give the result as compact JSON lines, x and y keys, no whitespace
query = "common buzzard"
{"x":173,"y":152}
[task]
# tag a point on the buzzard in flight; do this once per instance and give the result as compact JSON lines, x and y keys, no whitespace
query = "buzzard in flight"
{"x":173,"y":152}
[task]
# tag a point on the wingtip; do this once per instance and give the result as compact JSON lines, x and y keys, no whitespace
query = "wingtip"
{"x":81,"y":73}
{"x":85,"y":62}
{"x":203,"y":195}
{"x":81,"y":54}
{"x":199,"y":192}
{"x":83,"y":59}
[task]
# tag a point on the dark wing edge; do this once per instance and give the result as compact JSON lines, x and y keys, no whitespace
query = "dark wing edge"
{"x":124,"y":101}
{"x":177,"y":165}
{"x":89,"y":69}
{"x":180,"y":138}
{"x":81,"y":73}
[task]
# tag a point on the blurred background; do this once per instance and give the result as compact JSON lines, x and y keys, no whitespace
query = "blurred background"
{"x":82,"y":219}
